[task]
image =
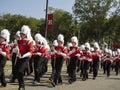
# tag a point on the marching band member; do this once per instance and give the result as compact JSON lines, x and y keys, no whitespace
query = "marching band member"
{"x":4,"y":54}
{"x":60,"y":53}
{"x":73,"y":53}
{"x":103,"y":60}
{"x":109,"y":60}
{"x":69,"y":44}
{"x":117,"y":60}
{"x":86,"y":58}
{"x":25,"y":46}
{"x":53,"y":57}
{"x":47,"y":56}
{"x":38,"y":55}
{"x":14,"y":51}
{"x":96,"y":57}
{"x":82,"y":48}
{"x":91,"y":63}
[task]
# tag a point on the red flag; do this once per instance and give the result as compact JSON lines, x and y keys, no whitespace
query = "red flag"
{"x":50,"y":22}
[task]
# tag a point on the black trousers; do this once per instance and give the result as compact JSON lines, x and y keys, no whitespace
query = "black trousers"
{"x":85,"y":67}
{"x":21,"y":65}
{"x":104,"y":67}
{"x":95,"y":67}
{"x":38,"y":67}
{"x":53,"y":66}
{"x":45,"y":67}
{"x":72,"y":68}
{"x":29,"y":69}
{"x":14,"y":70}
{"x":2,"y":65}
{"x":108,"y":66}
{"x":57,"y":70}
{"x":117,"y":67}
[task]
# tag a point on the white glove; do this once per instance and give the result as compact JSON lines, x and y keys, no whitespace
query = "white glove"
{"x":15,"y":50}
{"x":39,"y":54}
{"x":26,"y":55}
{"x":52,"y":53}
{"x":3,"y":53}
{"x":78,"y":55}
{"x":83,"y":57}
{"x":70,"y":52}
{"x":63,"y":54}
{"x":89,"y":60}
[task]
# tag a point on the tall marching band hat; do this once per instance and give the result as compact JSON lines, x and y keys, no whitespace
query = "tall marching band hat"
{"x":87,"y":45}
{"x":25,"y":30}
{"x":5,"y":34}
{"x":96,"y":45}
{"x":39,"y":38}
{"x":74,"y":39}
{"x":18,"y":33}
{"x":55,"y":43}
{"x":110,"y":51}
{"x":82,"y":47}
{"x":60,"y":38}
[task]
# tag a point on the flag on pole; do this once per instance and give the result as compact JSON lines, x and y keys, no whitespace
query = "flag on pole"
{"x":50,"y":22}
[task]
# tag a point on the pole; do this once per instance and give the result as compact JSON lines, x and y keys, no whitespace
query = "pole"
{"x":46,"y":18}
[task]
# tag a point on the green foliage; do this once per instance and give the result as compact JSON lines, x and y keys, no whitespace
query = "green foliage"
{"x":93,"y":16}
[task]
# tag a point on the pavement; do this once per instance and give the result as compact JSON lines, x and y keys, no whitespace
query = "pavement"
{"x":102,"y":82}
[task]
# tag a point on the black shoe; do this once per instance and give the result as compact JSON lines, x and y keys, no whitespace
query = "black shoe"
{"x":81,"y":74}
{"x":53,"y":84}
{"x":70,"y":81}
{"x":94,"y":78}
{"x":60,"y":82}
{"x":78,"y":69}
{"x":108,"y":75}
{"x":4,"y":84}
{"x":21,"y":88}
{"x":83,"y":79}
{"x":50,"y":79}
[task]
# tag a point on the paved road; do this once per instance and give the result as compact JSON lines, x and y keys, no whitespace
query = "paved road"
{"x":101,"y":83}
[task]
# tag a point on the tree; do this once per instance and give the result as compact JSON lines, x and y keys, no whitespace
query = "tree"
{"x":94,"y":14}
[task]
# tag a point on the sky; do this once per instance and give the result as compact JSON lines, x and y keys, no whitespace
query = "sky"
{"x":33,"y":8}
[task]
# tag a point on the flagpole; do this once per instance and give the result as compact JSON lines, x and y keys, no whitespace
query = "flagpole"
{"x":46,"y":18}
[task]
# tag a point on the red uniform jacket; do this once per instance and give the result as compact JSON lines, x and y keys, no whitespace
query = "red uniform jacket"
{"x":5,"y":48}
{"x":75,"y":50}
{"x":96,"y":54}
{"x":60,"y":49}
{"x":25,"y":46}
{"x":39,"y":49}
{"x":117,"y":58}
{"x":109,"y":59}
{"x":87,"y":55}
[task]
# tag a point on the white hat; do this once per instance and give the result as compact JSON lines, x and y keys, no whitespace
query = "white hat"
{"x":38,"y":38}
{"x":96,"y":45}
{"x":74,"y":39}
{"x":55,"y":43}
{"x":110,"y":51}
{"x":82,"y":47}
{"x":25,"y":30}
{"x":106,"y":50}
{"x":5,"y":34}
{"x":60,"y":38}
{"x":87,"y":45}
{"x":18,"y":33}
{"x":91,"y":49}
{"x":118,"y":50}
{"x":69,"y":44}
